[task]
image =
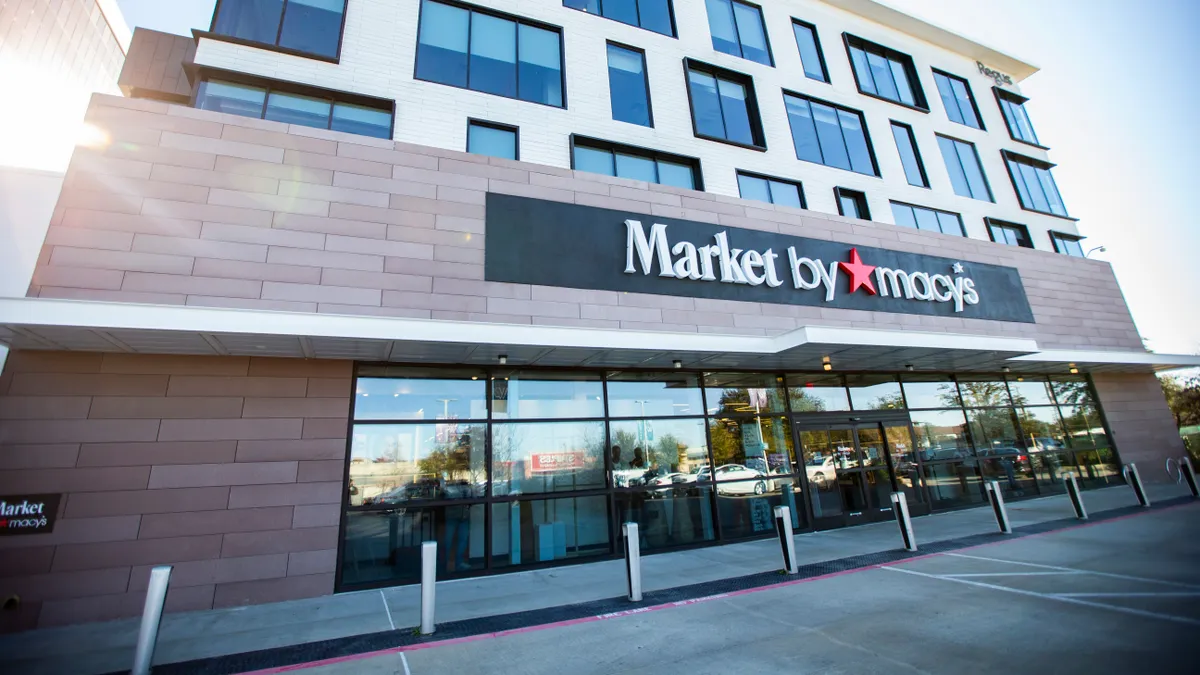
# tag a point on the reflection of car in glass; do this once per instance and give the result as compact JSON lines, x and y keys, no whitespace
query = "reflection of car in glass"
{"x":750,"y":481}
{"x":1045,"y":444}
{"x":820,"y":470}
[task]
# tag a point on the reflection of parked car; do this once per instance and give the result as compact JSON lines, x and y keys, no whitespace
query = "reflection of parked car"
{"x":1044,"y":444}
{"x":820,"y":470}
{"x":749,"y":481}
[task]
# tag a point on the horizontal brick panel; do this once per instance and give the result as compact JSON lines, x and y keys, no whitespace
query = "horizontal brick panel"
{"x":241,"y":473}
{"x":26,"y":561}
{"x":278,"y":451}
{"x":44,"y":407}
{"x":79,"y":531}
{"x":324,"y":428}
{"x":144,"y":454}
{"x":289,"y":494}
{"x":166,"y":364}
{"x":273,"y":590}
{"x":41,"y":456}
{"x":87,"y":384}
{"x":215,"y":522}
{"x":142,"y":501}
{"x":229,"y":429}
{"x":279,"y":541}
{"x":177,"y":407}
{"x":311,"y":562}
{"x":34,"y":481}
{"x":78,"y":431}
{"x":218,"y":571}
{"x":74,"y":585}
{"x":138,"y":552}
{"x":285,"y":407}
{"x":249,"y":387}
{"x":317,"y":515}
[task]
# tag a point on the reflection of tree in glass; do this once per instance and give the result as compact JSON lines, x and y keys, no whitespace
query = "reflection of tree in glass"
{"x":668,"y":453}
{"x":977,"y":395}
{"x":802,"y":402}
{"x":626,"y":440}
{"x":751,"y":399}
{"x":726,"y":438}
{"x":887,"y":402}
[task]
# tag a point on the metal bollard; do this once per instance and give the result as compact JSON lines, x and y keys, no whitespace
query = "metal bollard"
{"x":1135,"y":480}
{"x":1076,"y":498}
{"x":633,"y":561}
{"x":996,"y":497}
{"x":783,"y":526}
{"x":156,"y":595}
{"x":900,"y":507}
{"x":428,"y":584}
{"x":1189,"y":475}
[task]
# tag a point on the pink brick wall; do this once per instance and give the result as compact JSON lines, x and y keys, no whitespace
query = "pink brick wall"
{"x":229,"y":468}
{"x":199,"y":208}
{"x":1142,"y":426}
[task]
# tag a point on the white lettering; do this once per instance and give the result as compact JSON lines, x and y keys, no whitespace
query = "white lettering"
{"x":925,"y":290}
{"x":731,"y":271}
{"x":948,"y":282}
{"x":647,"y":249}
{"x":707,"y":253}
{"x":687,"y":267}
{"x":897,"y":280}
{"x":829,"y":279}
{"x":751,"y":261}
{"x":798,"y":279}
{"x":773,"y":279}
{"x":970,"y":294}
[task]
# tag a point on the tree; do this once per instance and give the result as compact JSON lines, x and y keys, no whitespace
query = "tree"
{"x":1183,"y":398}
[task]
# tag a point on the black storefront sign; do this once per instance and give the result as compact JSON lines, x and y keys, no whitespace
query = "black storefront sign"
{"x":532,"y":241}
{"x":28,"y":514}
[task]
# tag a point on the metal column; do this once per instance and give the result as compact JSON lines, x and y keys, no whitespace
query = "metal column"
{"x":428,"y":583}
{"x":783,"y":526}
{"x":996,"y":497}
{"x":900,"y":507}
{"x":1076,"y":498}
{"x":156,"y":595}
{"x":633,"y":561}
{"x":1189,"y":475}
{"x":1131,"y":473}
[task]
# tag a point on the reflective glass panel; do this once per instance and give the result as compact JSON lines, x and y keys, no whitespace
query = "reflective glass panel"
{"x":746,"y":508}
{"x":810,"y":53}
{"x":628,"y":91}
{"x":384,"y":545}
{"x":829,"y":133}
{"x":786,"y":194}
{"x":313,"y":26}
{"x":750,"y":31}
{"x":593,"y":160}
{"x":903,"y":215}
{"x":733,"y":393}
{"x":636,"y":167}
{"x":941,"y":434}
{"x":669,"y":515}
{"x":544,"y":530}
{"x":638,"y":394}
{"x":994,"y":432}
{"x":721,"y":25}
{"x":950,"y":223}
{"x":952,"y":484}
{"x":449,"y":397}
{"x":483,"y":139}
{"x":817,"y":393}
{"x":862,"y":70}
{"x":1071,"y":390}
{"x":965,"y":105}
{"x":821,"y":464}
{"x":677,"y":175}
{"x":531,"y":457}
{"x":303,"y":110}
{"x":493,"y":55}
{"x":256,"y":20}
{"x":752,"y":187}
{"x":625,"y":11}
{"x":932,"y":392}
{"x":540,"y":66}
{"x":856,"y":143}
{"x":946,"y":92}
{"x":706,"y":104}
{"x":357,"y":119}
{"x":749,"y":449}
{"x":983,"y":392}
{"x":442,"y":47}
{"x":907,"y":148}
{"x":1043,"y":429}
{"x":804,"y":133}
{"x":546,"y":395}
{"x":958,"y":179}
{"x":874,"y":392}
{"x":227,"y":97}
{"x":397,"y":463}
{"x":736,"y":112}
{"x":1030,"y":391}
{"x":973,"y":171}
{"x":659,"y":452}
{"x":900,"y":74}
{"x":881,"y":72}
{"x":655,"y":15}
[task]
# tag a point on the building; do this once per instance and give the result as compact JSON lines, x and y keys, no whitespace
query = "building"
{"x":383,"y":272}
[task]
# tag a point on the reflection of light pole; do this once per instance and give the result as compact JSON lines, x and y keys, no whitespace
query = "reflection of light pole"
{"x":445,"y":406}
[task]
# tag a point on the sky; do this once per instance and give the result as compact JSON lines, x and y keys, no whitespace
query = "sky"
{"x":1115,"y":103}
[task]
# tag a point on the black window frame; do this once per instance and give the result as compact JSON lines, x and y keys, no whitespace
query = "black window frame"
{"x":858,"y":197}
{"x":752,"y":109}
{"x":921,"y":103}
{"x":762,"y":176}
{"x":762,"y":20}
{"x":1008,"y":155}
{"x":970,"y":96}
{"x":836,"y":106}
{"x":519,"y":20}
{"x":817,"y":43}
{"x":1003,"y":95}
{"x":641,"y":151}
{"x":958,"y":216}
{"x":334,"y":96}
{"x":645,"y":80}
{"x":638,"y":6}
{"x":499,"y":126}
{"x":912,"y":137}
{"x":987,"y":185}
{"x":1022,"y":232}
{"x":276,"y":47}
{"x":1056,"y":236}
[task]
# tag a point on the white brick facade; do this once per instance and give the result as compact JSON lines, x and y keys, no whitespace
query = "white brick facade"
{"x":379,"y":49}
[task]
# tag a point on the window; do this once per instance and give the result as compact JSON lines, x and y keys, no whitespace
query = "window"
{"x":1067,"y":244}
{"x":723,"y":105}
{"x":770,"y":190}
{"x":852,"y":203}
{"x":309,"y":26}
{"x":317,"y":108}
{"x":737,"y":28}
{"x":811,"y":56}
{"x":652,"y":15}
{"x":957,"y":99}
{"x":1034,"y":185}
{"x":628,"y":87}
{"x":885,"y":73}
{"x":829,"y":135}
{"x":487,"y":52}
{"x":1008,"y":233}
{"x":1019,"y":126}
{"x":611,"y":159}
{"x":931,"y":220}
{"x":493,"y":140}
{"x":966,"y":174}
{"x":910,"y":157}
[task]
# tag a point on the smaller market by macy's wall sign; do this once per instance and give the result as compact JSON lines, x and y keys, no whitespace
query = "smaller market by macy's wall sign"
{"x":532,"y":241}
{"x":28,"y":514}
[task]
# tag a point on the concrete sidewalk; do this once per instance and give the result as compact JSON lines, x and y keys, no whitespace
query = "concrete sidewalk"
{"x":106,"y":647}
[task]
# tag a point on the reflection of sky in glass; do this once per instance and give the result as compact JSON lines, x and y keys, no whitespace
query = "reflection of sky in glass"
{"x":518,"y":398}
{"x":676,"y":396}
{"x":420,"y":399}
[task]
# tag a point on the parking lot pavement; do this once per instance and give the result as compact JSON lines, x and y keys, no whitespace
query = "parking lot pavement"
{"x":1113,"y":597}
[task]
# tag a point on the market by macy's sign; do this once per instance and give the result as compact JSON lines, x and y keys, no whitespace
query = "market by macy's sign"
{"x":720,"y":262}
{"x":28,"y":514}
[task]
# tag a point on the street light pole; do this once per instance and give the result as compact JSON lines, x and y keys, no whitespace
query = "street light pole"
{"x":1102,"y":249}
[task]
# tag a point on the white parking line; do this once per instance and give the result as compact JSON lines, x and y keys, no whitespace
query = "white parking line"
{"x":1164,"y":594}
{"x":1076,"y":570}
{"x":404,"y":660}
{"x":387,"y":609}
{"x":1013,"y":574}
{"x":1046,"y":596}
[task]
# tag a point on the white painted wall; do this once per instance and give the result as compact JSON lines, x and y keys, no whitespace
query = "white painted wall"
{"x":379,"y":49}
{"x":27,"y":199}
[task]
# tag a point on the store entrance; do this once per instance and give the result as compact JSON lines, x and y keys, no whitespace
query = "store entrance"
{"x":853,"y":468}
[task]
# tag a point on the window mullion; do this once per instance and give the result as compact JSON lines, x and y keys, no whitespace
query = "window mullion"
{"x":279,"y":29}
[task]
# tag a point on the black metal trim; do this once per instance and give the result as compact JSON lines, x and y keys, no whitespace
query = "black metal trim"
{"x":750,"y":174}
{"x":912,"y":139}
{"x":649,"y":153}
{"x":718,"y":73}
{"x":638,"y":5}
{"x":860,"y":202}
{"x":820,"y":51}
{"x":336,"y":58}
{"x":1015,"y":98}
{"x":645,"y":79}
{"x":996,"y":222}
{"x":970,"y":97}
{"x":516,"y":130}
{"x":910,"y":70}
{"x":836,"y":106}
{"x":987,"y":185}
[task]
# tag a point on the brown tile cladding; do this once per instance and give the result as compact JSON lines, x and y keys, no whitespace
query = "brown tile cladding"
{"x":193,"y":461}
{"x":1141,"y":424}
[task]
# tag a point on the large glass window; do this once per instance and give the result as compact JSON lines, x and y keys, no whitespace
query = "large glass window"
{"x":957,"y":99}
{"x":1015,"y":116}
{"x":308,"y":26}
{"x":533,"y":457}
{"x":829,"y":135}
{"x":966,"y":173}
{"x":770,"y":190}
{"x":885,"y":73}
{"x":1034,"y":185}
{"x":398,"y":463}
{"x":490,"y":53}
{"x":923,"y":218}
{"x":545,"y":530}
{"x":493,"y":140}
{"x":723,"y":105}
{"x":610,"y":159}
{"x":644,"y":394}
{"x":1011,"y":234}
{"x":910,"y":157}
{"x":874,"y":392}
{"x":817,"y":393}
{"x":282,"y":105}
{"x":930,"y":392}
{"x":852,"y":203}
{"x":737,"y":28}
{"x":941,"y":435}
{"x":811,"y":56}
{"x":657,"y":453}
{"x":652,"y":15}
{"x":628,"y":86}
{"x":1067,"y":244}
{"x":732,"y":393}
{"x":546,"y":395}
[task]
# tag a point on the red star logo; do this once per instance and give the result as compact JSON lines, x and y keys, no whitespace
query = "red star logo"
{"x":860,"y":274}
